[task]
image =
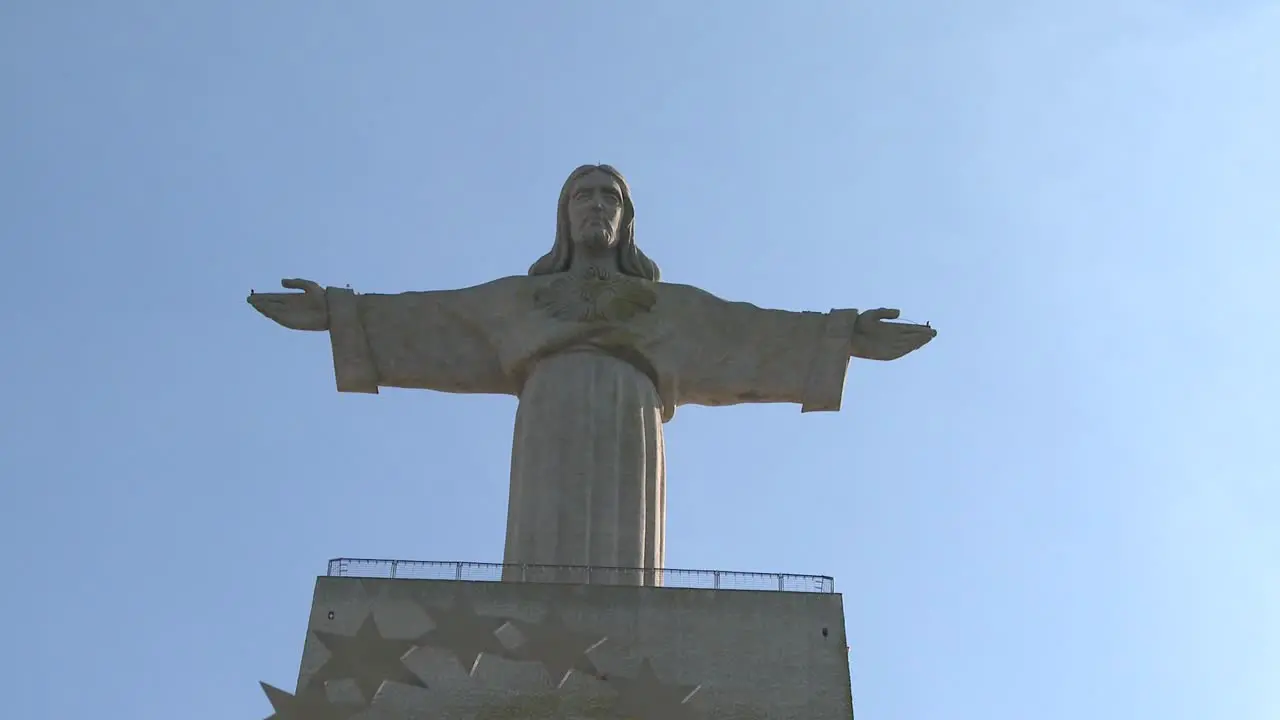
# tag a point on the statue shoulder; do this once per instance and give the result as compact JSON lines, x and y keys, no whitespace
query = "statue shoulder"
{"x":678,"y":291}
{"x":677,"y":296}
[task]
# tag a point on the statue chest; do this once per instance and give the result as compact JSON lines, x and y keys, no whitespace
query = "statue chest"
{"x":595,"y":297}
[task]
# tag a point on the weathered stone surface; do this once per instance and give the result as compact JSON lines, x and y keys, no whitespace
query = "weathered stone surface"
{"x":589,"y":651}
{"x":600,"y":354}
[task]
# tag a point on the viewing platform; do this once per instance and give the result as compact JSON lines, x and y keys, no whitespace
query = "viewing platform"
{"x":579,"y":575}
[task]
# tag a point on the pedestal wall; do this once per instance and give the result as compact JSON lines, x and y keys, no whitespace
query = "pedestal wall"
{"x":490,"y":650}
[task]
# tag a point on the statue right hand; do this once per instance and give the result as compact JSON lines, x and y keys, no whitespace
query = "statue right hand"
{"x":307,"y":310}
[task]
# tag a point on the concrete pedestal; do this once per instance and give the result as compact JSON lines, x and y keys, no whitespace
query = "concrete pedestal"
{"x":506,"y":650}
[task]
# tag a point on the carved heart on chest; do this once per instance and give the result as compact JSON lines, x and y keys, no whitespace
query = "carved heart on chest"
{"x":595,"y":296}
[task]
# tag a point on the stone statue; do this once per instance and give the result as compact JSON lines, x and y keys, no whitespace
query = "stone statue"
{"x":600,"y":354}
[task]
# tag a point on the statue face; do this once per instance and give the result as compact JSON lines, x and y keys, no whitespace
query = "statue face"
{"x":595,"y":211}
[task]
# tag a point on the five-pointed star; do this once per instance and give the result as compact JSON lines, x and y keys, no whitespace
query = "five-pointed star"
{"x":464,"y":633}
{"x":646,"y":698}
{"x":367,"y":658}
{"x":559,"y":649}
{"x":306,"y":705}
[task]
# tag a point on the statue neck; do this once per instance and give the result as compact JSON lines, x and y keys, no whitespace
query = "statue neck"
{"x":606,"y":261}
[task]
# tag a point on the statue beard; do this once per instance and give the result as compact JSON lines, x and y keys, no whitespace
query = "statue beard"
{"x":596,"y":240}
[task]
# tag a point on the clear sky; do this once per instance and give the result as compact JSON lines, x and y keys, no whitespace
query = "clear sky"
{"x":1065,"y":507}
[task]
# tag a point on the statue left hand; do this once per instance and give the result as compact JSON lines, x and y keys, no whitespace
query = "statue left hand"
{"x":875,"y":339}
{"x":307,"y":310}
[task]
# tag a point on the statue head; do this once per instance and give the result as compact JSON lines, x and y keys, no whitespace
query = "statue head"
{"x":595,"y":214}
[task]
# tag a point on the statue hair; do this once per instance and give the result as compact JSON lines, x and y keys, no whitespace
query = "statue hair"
{"x":631,"y":261}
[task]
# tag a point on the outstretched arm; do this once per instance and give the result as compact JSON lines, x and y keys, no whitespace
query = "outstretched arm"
{"x":439,"y":340}
{"x":724,"y":353}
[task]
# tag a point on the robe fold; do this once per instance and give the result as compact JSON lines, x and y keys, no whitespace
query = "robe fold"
{"x":598,"y":365}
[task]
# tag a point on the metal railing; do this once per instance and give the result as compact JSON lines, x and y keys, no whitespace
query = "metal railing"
{"x":579,"y":574}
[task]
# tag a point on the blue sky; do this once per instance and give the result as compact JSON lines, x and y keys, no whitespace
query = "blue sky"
{"x":1064,"y":507}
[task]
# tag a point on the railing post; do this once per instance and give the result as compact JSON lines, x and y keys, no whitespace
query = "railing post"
{"x":715,"y":584}
{"x":394,"y":564}
{"x":457,"y":571}
{"x":780,"y":581}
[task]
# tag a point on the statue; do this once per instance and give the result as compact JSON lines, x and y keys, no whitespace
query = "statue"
{"x":600,"y":354}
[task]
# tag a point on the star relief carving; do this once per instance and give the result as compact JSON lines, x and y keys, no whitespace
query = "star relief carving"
{"x":596,"y":295}
{"x":559,"y":649}
{"x":310,"y":704}
{"x":464,"y":633}
{"x":367,"y":657}
{"x":645,"y":697}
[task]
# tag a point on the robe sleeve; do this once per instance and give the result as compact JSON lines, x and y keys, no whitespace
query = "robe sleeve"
{"x":725,"y":353}
{"x":439,"y":340}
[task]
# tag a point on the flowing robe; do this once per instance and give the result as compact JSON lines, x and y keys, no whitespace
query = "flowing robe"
{"x":599,"y":364}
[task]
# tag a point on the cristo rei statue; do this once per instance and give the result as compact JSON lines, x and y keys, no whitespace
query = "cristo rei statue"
{"x":600,"y":354}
